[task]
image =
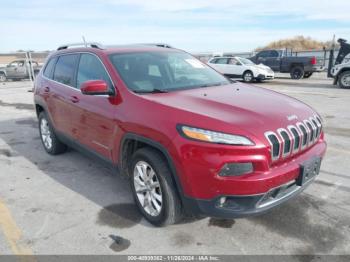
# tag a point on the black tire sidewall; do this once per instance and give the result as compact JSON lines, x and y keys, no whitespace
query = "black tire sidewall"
{"x":297,"y":68}
{"x":340,"y":77}
{"x":157,"y":162}
{"x":57,"y":146}
{"x":3,"y":75}
{"x":247,"y":72}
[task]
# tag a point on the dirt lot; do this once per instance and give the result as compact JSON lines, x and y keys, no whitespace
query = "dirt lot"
{"x":68,"y":204}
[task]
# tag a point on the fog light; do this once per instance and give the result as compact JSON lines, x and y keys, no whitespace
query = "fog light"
{"x":222,"y":201}
{"x":236,"y":169}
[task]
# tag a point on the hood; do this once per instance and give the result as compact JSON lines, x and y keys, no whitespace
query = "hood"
{"x":262,"y":66}
{"x":244,"y":107}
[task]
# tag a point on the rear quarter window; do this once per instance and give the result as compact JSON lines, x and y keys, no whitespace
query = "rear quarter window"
{"x":65,"y":69}
{"x":49,"y":67}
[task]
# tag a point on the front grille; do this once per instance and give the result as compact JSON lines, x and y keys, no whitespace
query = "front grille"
{"x":294,"y":138}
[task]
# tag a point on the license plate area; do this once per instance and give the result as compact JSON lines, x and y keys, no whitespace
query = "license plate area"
{"x":308,"y":170}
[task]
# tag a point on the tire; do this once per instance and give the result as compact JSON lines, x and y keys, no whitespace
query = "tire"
{"x":344,"y":80}
{"x":248,"y":76}
{"x":51,"y":143}
{"x":297,"y":72}
{"x":307,"y":74}
{"x":3,"y":77}
{"x":158,"y":202}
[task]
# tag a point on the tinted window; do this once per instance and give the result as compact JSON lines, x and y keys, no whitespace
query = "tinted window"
{"x":91,"y":68}
{"x":273,"y":53}
{"x":221,"y":61}
{"x":264,"y":54}
{"x":49,"y":68}
{"x":64,"y":70}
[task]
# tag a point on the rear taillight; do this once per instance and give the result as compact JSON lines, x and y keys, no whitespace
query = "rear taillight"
{"x":313,"y":60}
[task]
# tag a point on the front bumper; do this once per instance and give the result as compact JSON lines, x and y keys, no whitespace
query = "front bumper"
{"x":235,"y":206}
{"x":265,"y":77}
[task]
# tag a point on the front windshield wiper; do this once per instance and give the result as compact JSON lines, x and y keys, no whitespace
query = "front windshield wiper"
{"x":152,"y":91}
{"x":214,"y":84}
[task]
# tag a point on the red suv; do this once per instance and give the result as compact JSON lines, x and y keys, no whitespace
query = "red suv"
{"x":190,"y":140}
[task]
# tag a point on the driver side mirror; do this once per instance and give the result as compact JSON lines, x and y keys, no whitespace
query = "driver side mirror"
{"x":95,"y":87}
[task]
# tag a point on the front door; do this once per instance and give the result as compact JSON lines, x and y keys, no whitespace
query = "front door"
{"x":92,"y":116}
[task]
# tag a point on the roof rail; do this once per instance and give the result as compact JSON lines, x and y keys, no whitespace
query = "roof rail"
{"x":158,"y":45}
{"x":91,"y":44}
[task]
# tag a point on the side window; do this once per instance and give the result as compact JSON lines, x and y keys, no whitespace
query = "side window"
{"x":49,"y":68}
{"x":64,"y":70}
{"x":234,"y":61}
{"x":222,"y":61}
{"x":91,"y":68}
{"x":273,"y":53}
{"x":264,"y":54}
{"x":213,"y":61}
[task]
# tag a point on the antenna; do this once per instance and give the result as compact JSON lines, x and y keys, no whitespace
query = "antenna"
{"x":84,"y":41}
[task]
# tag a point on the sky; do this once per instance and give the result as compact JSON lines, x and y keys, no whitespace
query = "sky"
{"x":192,"y":25}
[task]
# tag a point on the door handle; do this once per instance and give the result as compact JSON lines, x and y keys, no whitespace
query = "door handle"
{"x":47,"y":89}
{"x":74,"y":99}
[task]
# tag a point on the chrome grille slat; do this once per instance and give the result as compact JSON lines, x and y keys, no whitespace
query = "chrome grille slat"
{"x":286,"y":141}
{"x":269,"y":136}
{"x":294,"y":138}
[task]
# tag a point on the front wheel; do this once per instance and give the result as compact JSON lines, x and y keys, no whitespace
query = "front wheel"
{"x":2,"y":77}
{"x":153,"y":188}
{"x":344,"y":80}
{"x":248,"y":77}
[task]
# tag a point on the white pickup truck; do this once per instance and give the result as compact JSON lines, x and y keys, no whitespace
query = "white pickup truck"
{"x":18,"y":69}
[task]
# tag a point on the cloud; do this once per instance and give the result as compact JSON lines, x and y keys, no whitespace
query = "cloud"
{"x":193,"y":25}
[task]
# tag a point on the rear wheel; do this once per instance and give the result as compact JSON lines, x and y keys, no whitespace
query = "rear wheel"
{"x":308,"y":74}
{"x":51,"y":143}
{"x":344,"y":80}
{"x":297,"y":72}
{"x":248,"y":76}
{"x":153,"y":189}
{"x":2,"y":77}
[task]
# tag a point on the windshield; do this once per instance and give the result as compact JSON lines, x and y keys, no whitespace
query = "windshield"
{"x":146,"y":72}
{"x":246,"y":61}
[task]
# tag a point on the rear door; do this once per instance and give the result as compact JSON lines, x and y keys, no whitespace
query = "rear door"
{"x":93,"y":115}
{"x":235,"y":67}
{"x":62,"y":92}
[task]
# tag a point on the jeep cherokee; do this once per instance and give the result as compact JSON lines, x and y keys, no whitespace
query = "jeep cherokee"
{"x":191,"y":141}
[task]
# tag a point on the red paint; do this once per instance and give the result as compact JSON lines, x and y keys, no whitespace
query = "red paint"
{"x":99,"y":123}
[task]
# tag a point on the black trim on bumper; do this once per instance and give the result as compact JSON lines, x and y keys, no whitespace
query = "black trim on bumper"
{"x":242,"y":206}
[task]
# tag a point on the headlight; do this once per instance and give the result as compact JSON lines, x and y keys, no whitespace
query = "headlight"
{"x":213,"y":137}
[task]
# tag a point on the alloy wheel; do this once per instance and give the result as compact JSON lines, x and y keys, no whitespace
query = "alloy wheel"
{"x":45,"y":133}
{"x":147,"y":187}
{"x":345,"y":80}
{"x":248,"y":77}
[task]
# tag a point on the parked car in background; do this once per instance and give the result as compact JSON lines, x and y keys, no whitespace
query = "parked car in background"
{"x":239,"y":67}
{"x":279,"y":61}
{"x":18,"y":70}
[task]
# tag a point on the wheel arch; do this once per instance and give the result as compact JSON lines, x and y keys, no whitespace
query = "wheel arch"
{"x":295,"y":65}
{"x":132,"y":142}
